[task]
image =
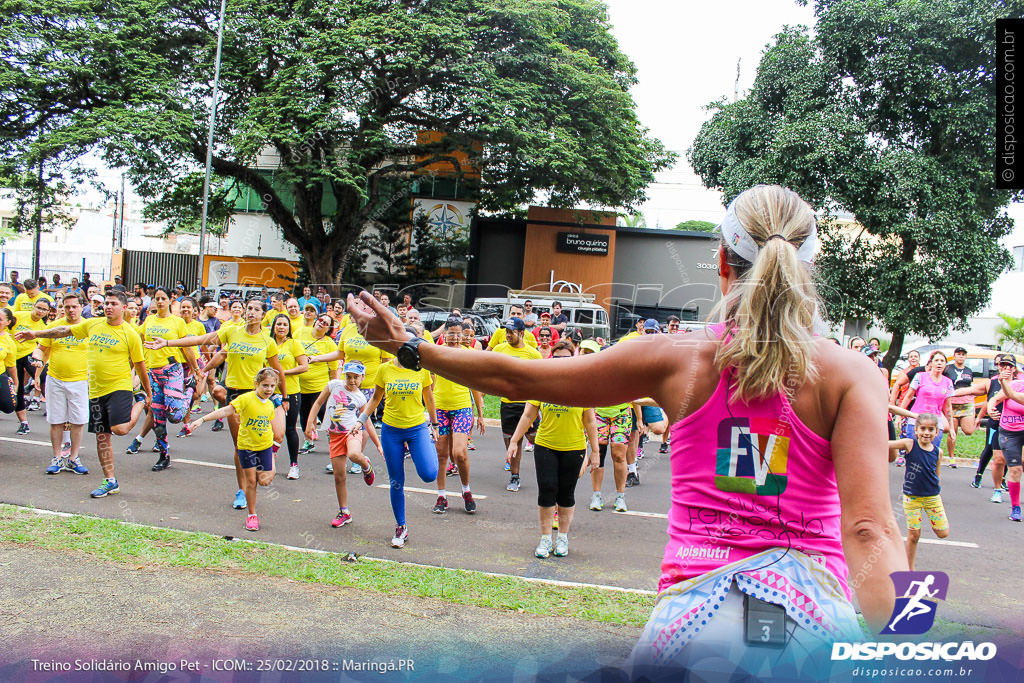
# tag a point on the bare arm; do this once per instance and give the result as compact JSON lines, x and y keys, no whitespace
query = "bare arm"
{"x":190,"y":340}
{"x":140,"y":370}
{"x":218,"y":414}
{"x":529,"y":415}
{"x":52,"y":333}
{"x":871,"y":538}
{"x":1009,"y":392}
{"x":896,"y":410}
{"x":895,"y":391}
{"x":899,"y":445}
{"x":276,"y":364}
{"x":301,"y":365}
{"x":310,"y":427}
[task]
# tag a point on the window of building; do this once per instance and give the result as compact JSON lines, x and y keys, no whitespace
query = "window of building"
{"x":1018,"y":259}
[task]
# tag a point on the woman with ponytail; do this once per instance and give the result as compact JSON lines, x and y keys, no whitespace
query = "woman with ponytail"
{"x":780,"y":488}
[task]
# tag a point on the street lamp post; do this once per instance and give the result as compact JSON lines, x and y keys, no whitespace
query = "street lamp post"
{"x":209,"y":146}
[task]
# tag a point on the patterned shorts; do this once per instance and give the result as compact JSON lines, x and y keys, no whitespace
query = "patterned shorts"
{"x":454,"y":421}
{"x":913,"y":505}
{"x":614,"y":429}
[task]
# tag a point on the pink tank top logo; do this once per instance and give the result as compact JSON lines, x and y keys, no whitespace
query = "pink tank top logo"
{"x":752,"y":456}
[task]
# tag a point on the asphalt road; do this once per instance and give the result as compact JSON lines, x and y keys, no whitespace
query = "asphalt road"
{"x":624,"y":550}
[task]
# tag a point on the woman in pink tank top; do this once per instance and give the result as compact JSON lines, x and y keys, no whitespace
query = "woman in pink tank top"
{"x":780,"y":488}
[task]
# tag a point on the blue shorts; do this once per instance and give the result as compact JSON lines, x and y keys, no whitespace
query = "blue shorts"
{"x":261,"y":460}
{"x":652,"y":414}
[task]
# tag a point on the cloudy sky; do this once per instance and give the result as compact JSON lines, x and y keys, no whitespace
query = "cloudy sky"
{"x":686,"y":55}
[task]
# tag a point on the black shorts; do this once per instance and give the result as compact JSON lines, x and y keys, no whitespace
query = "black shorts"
{"x":234,"y":393}
{"x":110,"y":409}
{"x":1011,"y":443}
{"x":511,"y":413}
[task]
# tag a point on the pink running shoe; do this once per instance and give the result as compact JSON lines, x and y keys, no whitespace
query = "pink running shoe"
{"x":341,"y":519}
{"x":368,"y":476}
{"x":252,"y":523}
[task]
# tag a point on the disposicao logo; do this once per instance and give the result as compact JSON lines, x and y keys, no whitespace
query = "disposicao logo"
{"x":914,"y":612}
{"x":917,"y":595}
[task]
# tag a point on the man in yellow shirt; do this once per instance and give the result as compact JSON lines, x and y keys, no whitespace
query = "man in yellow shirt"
{"x":499,"y":336}
{"x":114,"y":348}
{"x":512,"y":411}
{"x":32,"y":294}
{"x":276,"y":308}
{"x":32,"y":319}
{"x":67,"y":391}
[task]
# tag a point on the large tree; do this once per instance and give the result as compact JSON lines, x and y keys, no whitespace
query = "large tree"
{"x":322,"y":102}
{"x":887,"y":113}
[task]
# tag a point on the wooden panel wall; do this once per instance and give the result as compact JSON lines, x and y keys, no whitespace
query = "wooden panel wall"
{"x":594,"y":272}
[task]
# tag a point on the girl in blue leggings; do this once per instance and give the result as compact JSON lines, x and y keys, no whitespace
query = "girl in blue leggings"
{"x":407,"y":394}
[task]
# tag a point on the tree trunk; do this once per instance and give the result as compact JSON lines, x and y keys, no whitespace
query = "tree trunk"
{"x":895,"y":349}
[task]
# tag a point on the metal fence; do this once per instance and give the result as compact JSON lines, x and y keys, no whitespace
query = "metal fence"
{"x":47,"y":268}
{"x":158,"y":268}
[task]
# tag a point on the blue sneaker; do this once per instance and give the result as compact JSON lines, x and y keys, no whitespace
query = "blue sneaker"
{"x":508,"y":467}
{"x":106,"y":488}
{"x":1015,"y":513}
{"x":75,"y":465}
{"x":240,"y":502}
{"x":134,"y":446}
{"x":56,"y":465}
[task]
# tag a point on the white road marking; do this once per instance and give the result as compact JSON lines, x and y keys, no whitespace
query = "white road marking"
{"x":204,"y":464}
{"x":940,"y":541}
{"x":28,"y":441}
{"x":651,"y":515}
{"x":432,"y":492}
{"x":319,"y":551}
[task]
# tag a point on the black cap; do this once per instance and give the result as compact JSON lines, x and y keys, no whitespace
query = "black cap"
{"x":1005,"y":358}
{"x":959,"y":349}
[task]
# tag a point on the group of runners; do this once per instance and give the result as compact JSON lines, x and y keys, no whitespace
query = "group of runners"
{"x":761,"y":446}
{"x":281,"y":374}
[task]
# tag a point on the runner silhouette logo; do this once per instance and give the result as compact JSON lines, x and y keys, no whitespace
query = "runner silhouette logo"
{"x":914,"y":613}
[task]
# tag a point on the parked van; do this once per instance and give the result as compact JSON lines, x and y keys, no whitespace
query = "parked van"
{"x":584,"y":315}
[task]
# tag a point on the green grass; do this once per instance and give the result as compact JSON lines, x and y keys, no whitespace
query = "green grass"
{"x":130,"y":544}
{"x":492,"y":407}
{"x":968,"y":446}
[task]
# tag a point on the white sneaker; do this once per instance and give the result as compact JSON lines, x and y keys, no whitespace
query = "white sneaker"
{"x":329,"y":468}
{"x":997,"y":496}
{"x":354,"y":468}
{"x":529,"y":447}
{"x":401,"y":534}
{"x":562,"y":545}
{"x":620,"y":503}
{"x":544,"y":547}
{"x":597,"y":501}
{"x":293,"y":472}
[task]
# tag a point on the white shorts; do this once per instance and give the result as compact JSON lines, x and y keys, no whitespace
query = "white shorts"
{"x":67,"y":401}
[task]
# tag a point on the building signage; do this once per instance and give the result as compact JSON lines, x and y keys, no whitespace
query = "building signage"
{"x":581,"y":243}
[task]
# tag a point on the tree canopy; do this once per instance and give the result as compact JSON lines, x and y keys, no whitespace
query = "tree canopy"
{"x":696,"y":226}
{"x":888,"y":114}
{"x":323,"y":103}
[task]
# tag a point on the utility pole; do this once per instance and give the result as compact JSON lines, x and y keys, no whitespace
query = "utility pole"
{"x":736,"y":86}
{"x":120,"y":229}
{"x":39,"y":222}
{"x":209,"y":147}
{"x":113,"y":232}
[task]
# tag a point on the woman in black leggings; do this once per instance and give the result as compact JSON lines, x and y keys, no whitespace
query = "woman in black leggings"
{"x":292,"y":357}
{"x":559,"y":451}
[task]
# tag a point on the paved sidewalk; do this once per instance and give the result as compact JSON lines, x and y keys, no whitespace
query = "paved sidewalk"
{"x":68,"y":606}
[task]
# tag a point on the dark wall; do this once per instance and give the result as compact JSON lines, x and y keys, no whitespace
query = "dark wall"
{"x":497,"y":262}
{"x":667,"y":268}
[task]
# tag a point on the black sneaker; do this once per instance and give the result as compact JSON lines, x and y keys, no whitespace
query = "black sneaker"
{"x":139,"y":396}
{"x":23,"y":428}
{"x":632,"y":479}
{"x":470,"y":503}
{"x":162,"y":463}
{"x":441,"y":506}
{"x":976,"y":484}
{"x":663,"y":448}
{"x":218,"y":425}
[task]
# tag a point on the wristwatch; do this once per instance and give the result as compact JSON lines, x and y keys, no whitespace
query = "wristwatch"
{"x":409,"y":355}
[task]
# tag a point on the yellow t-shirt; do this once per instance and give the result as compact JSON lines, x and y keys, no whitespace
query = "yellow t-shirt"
{"x":8,"y":350}
{"x":171,"y":327}
{"x":403,"y":390}
{"x":316,"y":378}
{"x":500,"y":335}
{"x":355,"y":347}
{"x":255,"y":432}
{"x":268,"y":317}
{"x":287,"y":356}
{"x":195,"y":328}
{"x":632,"y":335}
{"x":23,"y":321}
{"x":449,"y":395}
{"x":23,"y":302}
{"x":299,"y":323}
{"x":246,"y":355}
{"x":69,"y":356}
{"x":523,"y":351}
{"x":561,"y":427}
{"x":113,"y":349}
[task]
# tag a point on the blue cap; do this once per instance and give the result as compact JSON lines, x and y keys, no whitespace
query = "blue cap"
{"x":652,"y":324}
{"x":355,"y":367}
{"x":515,"y":324}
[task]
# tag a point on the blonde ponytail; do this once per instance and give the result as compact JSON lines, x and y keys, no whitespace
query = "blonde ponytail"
{"x":771,"y":306}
